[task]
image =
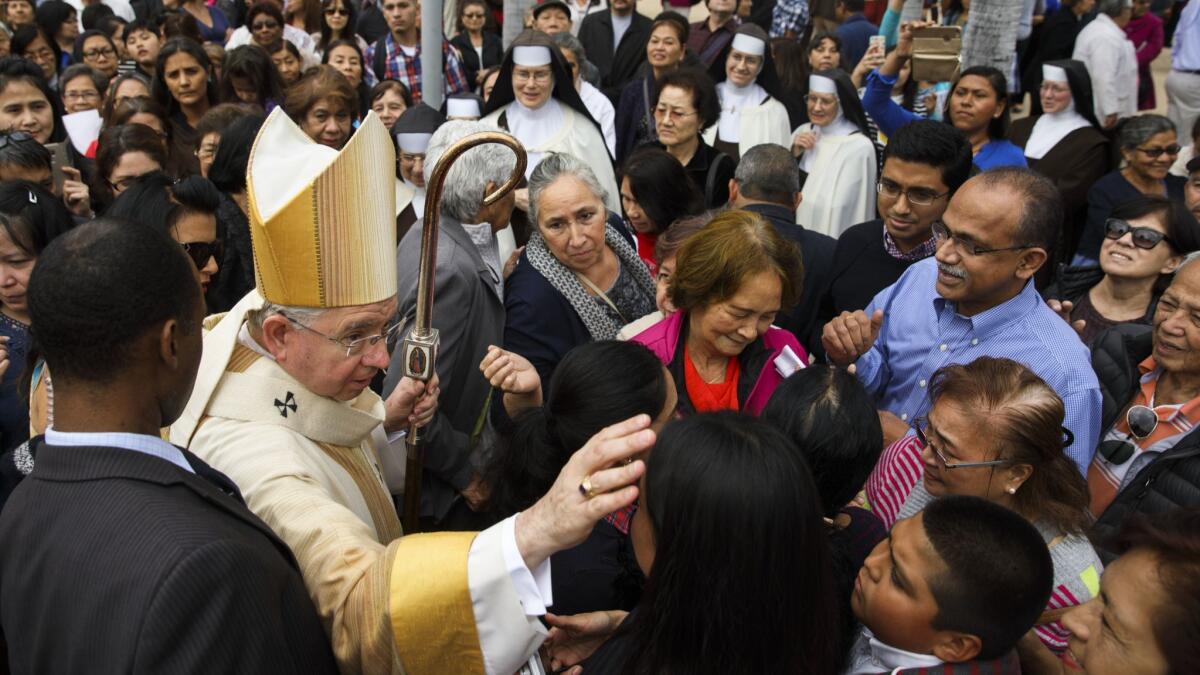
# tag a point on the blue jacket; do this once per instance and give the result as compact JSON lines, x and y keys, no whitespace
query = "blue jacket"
{"x":855,"y":34}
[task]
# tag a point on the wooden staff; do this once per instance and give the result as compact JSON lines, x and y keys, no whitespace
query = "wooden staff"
{"x":421,"y":345}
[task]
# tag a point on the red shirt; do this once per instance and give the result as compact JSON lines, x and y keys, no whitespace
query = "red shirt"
{"x":711,"y":397}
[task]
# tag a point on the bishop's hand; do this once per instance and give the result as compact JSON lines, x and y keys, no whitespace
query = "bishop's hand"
{"x":413,"y":402}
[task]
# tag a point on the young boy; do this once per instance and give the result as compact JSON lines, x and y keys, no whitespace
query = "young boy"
{"x":958,"y":583}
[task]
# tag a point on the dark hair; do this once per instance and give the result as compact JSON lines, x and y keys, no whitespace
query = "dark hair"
{"x":25,"y":35}
{"x":816,"y":40}
{"x":384,"y":86}
{"x":712,"y":477}
{"x":312,"y":14}
{"x":677,"y":233}
{"x":20,"y":69}
{"x":935,"y":144}
{"x":853,"y":6}
{"x":252,"y":63}
{"x":677,"y":21}
{"x":1173,"y":539}
{"x":83,"y":70}
{"x":737,"y":244}
{"x":697,"y":83}
{"x":998,"y":572}
{"x":32,"y":216}
{"x":93,"y":14}
{"x":50,"y":16}
{"x":998,"y":126}
{"x":661,"y":187}
{"x":115,"y":142}
{"x":362,"y":91}
{"x":110,"y":97}
{"x":1020,"y":418}
{"x":790,"y":64}
{"x":181,"y":25}
{"x":264,"y":7}
{"x":26,"y":154}
{"x":109,"y":25}
{"x":228,"y":170}
{"x":1041,"y":205}
{"x":586,"y":394}
{"x":141,"y":24}
{"x":154,"y":200}
{"x":125,"y":110}
{"x":462,"y":6}
{"x":218,"y":118}
{"x":77,"y":55}
{"x":100,"y":287}
{"x":831,"y":418}
{"x":174,"y":46}
{"x":352,"y":21}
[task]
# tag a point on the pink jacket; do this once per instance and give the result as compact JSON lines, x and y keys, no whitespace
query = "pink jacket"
{"x":663,"y":339}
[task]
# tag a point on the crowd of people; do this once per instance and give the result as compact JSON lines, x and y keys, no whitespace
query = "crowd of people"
{"x":750,"y":351}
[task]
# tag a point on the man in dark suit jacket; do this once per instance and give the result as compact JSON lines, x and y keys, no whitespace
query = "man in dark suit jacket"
{"x":618,"y":62}
{"x":767,"y":182}
{"x":123,"y":553}
{"x":468,"y":312}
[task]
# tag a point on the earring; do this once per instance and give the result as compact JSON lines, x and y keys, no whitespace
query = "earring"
{"x":1012,"y":490}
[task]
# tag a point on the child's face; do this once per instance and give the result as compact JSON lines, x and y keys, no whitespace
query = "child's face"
{"x":891,"y":596}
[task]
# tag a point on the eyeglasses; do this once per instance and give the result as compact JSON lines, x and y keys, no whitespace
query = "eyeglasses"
{"x":337,"y":11}
{"x":15,"y":137}
{"x":1143,"y":237}
{"x":821,"y":100}
{"x":1142,"y":422}
{"x":916,"y":196}
{"x":539,"y":76}
{"x":123,"y":184}
{"x":81,"y":95}
{"x":473,"y":15}
{"x":942,"y":234}
{"x":1154,"y":153}
{"x":919,"y":426}
{"x":202,"y":251}
{"x":98,"y":52}
{"x":667,"y":113}
{"x":44,"y":54}
{"x":264,"y":25}
{"x":352,"y":347}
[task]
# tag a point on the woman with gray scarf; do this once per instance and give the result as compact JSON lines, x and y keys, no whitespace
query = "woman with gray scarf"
{"x":580,"y":278}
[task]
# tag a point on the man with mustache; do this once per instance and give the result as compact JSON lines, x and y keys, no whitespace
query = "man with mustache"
{"x":974,"y":298}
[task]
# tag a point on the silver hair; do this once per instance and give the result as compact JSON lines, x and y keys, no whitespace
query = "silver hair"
{"x":1137,"y":130}
{"x":768,"y":171}
{"x":463,"y":191}
{"x":1112,"y":8}
{"x":305,"y":315}
{"x":556,"y":165}
{"x":567,"y":41}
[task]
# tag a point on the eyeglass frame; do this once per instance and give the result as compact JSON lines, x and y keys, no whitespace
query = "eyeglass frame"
{"x":388,"y":333}
{"x":1132,"y":231}
{"x":975,"y":250}
{"x":946,"y":464}
{"x":96,"y":52}
{"x":907,"y":193}
{"x":1172,"y":150}
{"x":667,"y":113}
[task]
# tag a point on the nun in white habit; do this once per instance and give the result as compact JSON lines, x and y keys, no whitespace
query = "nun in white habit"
{"x":837,"y":159}
{"x":463,"y":106}
{"x":751,"y":112}
{"x":535,"y":101}
{"x":412,"y":133}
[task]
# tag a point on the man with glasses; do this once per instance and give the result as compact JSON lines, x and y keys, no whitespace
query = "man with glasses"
{"x":924,"y":164}
{"x":282,"y":406}
{"x":1149,"y":457}
{"x":975,"y":298}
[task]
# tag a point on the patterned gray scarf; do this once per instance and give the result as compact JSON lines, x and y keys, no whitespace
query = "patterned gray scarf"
{"x":600,"y":325}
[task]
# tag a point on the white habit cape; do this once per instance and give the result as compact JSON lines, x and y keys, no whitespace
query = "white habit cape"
{"x":840,"y":190}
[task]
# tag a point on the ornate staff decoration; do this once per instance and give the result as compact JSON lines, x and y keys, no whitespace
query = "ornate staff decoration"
{"x":421,"y":345}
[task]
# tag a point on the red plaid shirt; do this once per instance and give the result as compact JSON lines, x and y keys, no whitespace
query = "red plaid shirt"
{"x":407,"y":69}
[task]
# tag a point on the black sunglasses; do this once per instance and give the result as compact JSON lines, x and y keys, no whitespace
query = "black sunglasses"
{"x":339,"y":11}
{"x":1154,"y":153}
{"x":1143,"y":237}
{"x":1142,"y":422}
{"x":201,"y":251}
{"x":14,"y":137}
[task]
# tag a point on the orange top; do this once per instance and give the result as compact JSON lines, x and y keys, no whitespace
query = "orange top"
{"x":711,"y":397}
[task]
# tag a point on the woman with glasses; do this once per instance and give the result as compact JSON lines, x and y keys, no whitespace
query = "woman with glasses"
{"x":1145,"y":240}
{"x":684,"y":106}
{"x":83,"y":88}
{"x":214,"y":26}
{"x":187,"y":208}
{"x":995,"y":431}
{"x":481,"y":49}
{"x":535,"y":101}
{"x":96,"y":49}
{"x":338,"y":19}
{"x":265,"y":21}
{"x":1148,"y":146}
{"x":31,"y":43}
{"x":665,"y":49}
{"x":1065,"y":142}
{"x":124,"y":153}
{"x":838,"y":163}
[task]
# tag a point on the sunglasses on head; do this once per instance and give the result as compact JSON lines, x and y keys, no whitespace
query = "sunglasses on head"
{"x":201,"y":251}
{"x":1142,"y":422}
{"x":1143,"y":237}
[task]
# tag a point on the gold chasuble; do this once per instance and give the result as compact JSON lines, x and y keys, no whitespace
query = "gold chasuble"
{"x":323,"y":231}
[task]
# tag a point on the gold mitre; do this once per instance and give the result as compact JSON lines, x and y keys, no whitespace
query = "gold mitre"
{"x":322,"y":222}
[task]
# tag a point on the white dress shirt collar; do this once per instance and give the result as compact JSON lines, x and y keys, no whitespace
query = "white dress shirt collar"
{"x":147,"y":445}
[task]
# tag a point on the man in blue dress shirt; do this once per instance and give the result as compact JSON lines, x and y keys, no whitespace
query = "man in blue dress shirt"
{"x":974,"y":298}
